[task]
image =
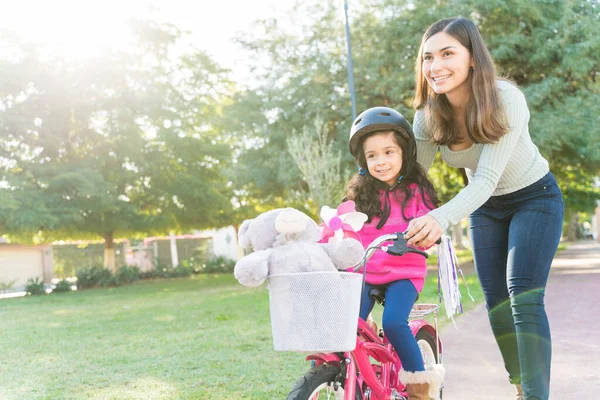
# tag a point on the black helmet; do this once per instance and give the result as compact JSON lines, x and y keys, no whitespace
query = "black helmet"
{"x":377,"y":119}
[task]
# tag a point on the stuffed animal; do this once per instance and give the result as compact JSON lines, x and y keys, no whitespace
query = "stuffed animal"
{"x":286,"y":241}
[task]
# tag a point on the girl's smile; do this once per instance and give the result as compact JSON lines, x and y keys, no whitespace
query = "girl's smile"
{"x":384,"y":157}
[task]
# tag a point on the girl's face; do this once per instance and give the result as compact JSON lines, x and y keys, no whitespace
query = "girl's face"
{"x":384,"y":157}
{"x":446,"y":65}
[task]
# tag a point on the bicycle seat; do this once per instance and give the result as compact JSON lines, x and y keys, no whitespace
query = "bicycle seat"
{"x":377,"y":293}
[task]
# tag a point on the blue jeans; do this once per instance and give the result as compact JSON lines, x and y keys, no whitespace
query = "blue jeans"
{"x":515,"y":237}
{"x":400,"y":296}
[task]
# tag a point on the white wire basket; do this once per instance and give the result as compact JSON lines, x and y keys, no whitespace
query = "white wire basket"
{"x":315,"y":311}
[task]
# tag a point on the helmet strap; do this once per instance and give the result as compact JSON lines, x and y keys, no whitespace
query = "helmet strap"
{"x":396,"y":184}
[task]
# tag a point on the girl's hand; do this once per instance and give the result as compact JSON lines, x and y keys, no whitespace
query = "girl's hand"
{"x":423,"y":232}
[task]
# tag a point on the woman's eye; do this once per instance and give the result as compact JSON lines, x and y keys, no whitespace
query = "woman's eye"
{"x":427,"y":58}
{"x":447,"y":53}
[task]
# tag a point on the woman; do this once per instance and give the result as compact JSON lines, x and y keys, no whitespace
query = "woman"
{"x":515,"y":207}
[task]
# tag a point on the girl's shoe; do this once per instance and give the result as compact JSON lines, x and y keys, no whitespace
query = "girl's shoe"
{"x":423,"y":385}
{"x":417,"y":391}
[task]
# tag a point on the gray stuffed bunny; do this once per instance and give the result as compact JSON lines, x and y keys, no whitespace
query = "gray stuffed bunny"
{"x":286,"y":241}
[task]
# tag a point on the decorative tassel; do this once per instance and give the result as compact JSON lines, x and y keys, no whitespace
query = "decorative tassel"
{"x":448,"y":270}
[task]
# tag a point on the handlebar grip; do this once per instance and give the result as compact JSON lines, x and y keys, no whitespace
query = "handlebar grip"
{"x":399,"y":248}
{"x":394,"y":251}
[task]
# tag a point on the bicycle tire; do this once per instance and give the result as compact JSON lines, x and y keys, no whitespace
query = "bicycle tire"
{"x":426,"y":343}
{"x":318,"y":378}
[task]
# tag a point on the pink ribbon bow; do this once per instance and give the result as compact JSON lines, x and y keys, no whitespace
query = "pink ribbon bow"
{"x":342,"y":222}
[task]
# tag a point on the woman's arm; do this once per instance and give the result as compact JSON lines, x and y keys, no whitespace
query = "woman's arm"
{"x":492,"y":162}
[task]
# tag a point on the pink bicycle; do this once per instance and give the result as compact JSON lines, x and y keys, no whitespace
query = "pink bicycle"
{"x":370,"y":371}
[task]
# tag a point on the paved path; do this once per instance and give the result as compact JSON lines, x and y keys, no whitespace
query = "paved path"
{"x":474,"y":367}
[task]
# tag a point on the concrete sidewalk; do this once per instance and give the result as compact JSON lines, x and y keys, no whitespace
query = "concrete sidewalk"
{"x":474,"y":368}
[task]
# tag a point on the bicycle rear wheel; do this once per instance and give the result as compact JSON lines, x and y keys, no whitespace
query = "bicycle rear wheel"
{"x":318,"y":384}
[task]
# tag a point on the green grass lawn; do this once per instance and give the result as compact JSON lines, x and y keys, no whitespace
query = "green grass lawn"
{"x":204,"y":337}
{"x":463,"y":255}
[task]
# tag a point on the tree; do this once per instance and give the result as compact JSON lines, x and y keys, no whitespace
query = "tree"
{"x":550,"y":49}
{"x":320,"y":165}
{"x":116,"y":146}
{"x":306,"y":77}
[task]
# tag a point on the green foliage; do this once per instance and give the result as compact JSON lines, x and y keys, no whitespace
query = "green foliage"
{"x":125,"y":145}
{"x":35,"y":286}
{"x":6,"y":286}
{"x":191,"y":266}
{"x":93,"y":276}
{"x":550,"y":48}
{"x":319,"y":164}
{"x":218,"y":264}
{"x":306,"y":77}
{"x":127,"y":274}
{"x":62,"y":286}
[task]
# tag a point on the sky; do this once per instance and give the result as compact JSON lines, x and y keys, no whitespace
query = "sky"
{"x":84,"y":26}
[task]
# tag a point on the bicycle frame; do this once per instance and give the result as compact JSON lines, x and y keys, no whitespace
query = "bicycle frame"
{"x":357,"y":364}
{"x":369,"y":344}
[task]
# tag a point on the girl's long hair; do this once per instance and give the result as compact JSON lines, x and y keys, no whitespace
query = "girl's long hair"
{"x":486,"y":120}
{"x":364,"y":189}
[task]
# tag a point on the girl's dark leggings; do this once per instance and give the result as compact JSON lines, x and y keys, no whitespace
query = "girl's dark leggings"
{"x":400,"y":297}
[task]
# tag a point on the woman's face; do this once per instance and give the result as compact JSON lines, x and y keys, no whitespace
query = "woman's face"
{"x":446,"y":65}
{"x":384,"y":157}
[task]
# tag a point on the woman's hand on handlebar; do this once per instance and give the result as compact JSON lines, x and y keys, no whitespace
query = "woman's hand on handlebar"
{"x":423,"y":232}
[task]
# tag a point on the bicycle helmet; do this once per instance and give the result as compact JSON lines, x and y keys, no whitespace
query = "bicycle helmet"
{"x":378,"y":119}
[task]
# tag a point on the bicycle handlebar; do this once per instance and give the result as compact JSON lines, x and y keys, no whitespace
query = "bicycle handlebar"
{"x":398,"y":248}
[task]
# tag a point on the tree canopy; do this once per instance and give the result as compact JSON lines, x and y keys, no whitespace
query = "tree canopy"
{"x":549,"y":48}
{"x":154,"y":138}
{"x":119,"y":145}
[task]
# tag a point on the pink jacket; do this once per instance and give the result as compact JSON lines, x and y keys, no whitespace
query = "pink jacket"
{"x":383,"y":268}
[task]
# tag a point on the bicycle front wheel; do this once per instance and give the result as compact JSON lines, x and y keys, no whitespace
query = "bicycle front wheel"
{"x":429,"y":352}
{"x":319,"y":384}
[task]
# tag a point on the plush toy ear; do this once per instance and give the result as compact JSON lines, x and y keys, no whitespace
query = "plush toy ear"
{"x":243,"y":239}
{"x":291,"y":220}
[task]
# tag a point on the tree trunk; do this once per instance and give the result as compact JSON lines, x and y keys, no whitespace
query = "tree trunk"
{"x":457,"y":236}
{"x":571,"y":228}
{"x":109,"y":251}
{"x":174,"y":255}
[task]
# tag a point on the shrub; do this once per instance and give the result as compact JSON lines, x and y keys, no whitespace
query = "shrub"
{"x":184,"y":269}
{"x":94,"y":276}
{"x":218,"y":264}
{"x":161,"y":270}
{"x":6,"y":286}
{"x":35,"y":286}
{"x":127,"y":274}
{"x":62,"y":286}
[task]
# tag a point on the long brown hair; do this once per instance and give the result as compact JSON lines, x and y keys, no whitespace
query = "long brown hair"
{"x":486,"y":120}
{"x":364,"y":188}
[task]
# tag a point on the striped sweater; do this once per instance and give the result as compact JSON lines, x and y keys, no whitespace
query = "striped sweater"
{"x":511,"y":164}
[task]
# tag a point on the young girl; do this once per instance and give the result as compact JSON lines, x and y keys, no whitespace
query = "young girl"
{"x":391,"y":188}
{"x":480,"y":123}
